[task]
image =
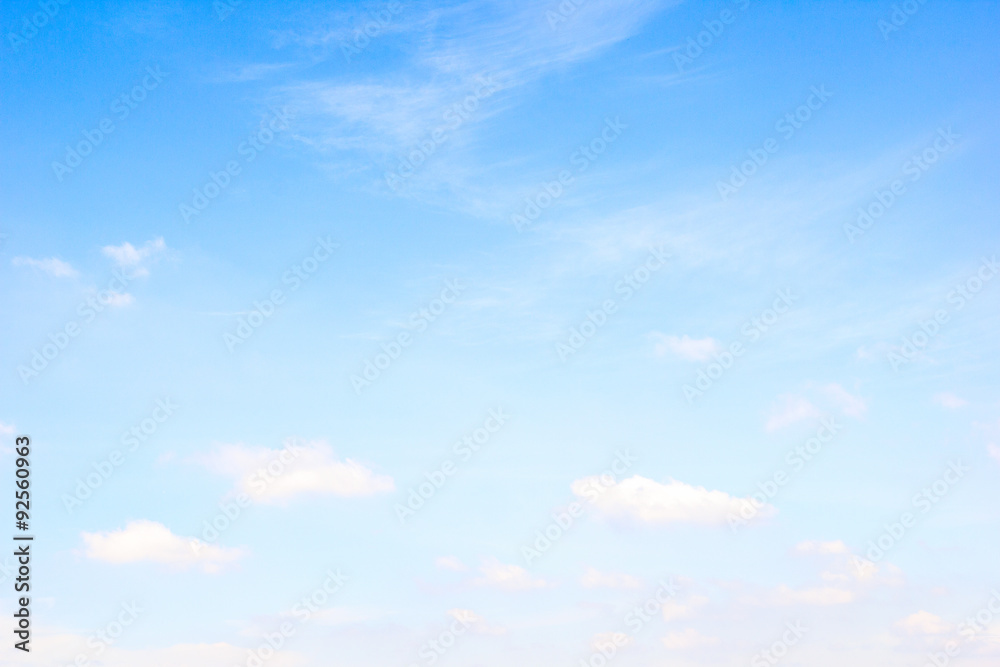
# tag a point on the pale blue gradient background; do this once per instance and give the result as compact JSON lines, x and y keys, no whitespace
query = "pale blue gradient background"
{"x":655,"y":185}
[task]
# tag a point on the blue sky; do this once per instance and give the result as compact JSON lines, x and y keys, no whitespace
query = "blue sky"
{"x":209,"y":267}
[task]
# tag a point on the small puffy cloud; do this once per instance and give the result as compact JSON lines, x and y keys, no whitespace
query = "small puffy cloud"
{"x":924,"y":623}
{"x":685,"y":347}
{"x":450,"y":563}
{"x":52,"y":266}
{"x":150,"y":541}
{"x":785,"y":596}
{"x":791,"y":409}
{"x":127,"y":256}
{"x":117,"y":299}
{"x":275,"y":476}
{"x":649,"y":501}
{"x":593,"y":578}
{"x":846,"y":402}
{"x":689,"y":638}
{"x":950,"y":401}
{"x":816,"y":547}
{"x":507,"y":577}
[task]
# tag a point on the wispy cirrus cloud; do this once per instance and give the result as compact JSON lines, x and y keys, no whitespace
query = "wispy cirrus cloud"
{"x":790,"y":410}
{"x":448,"y":52}
{"x":52,"y":266}
{"x":843,"y":400}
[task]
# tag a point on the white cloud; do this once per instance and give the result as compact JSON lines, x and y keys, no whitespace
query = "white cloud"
{"x":127,"y":256}
{"x":52,"y":266}
{"x":507,"y":577}
{"x":149,"y":541}
{"x":450,"y":563}
{"x":652,"y":502}
{"x":785,"y":596}
{"x":67,"y":649}
{"x":685,"y":347}
{"x":118,"y":299}
{"x":593,"y":578}
{"x":816,"y":547}
{"x":791,"y":409}
{"x":924,"y":623}
{"x":950,"y":401}
{"x":383,"y":117}
{"x":689,"y":638}
{"x":846,"y":402}
{"x":276,"y":476}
